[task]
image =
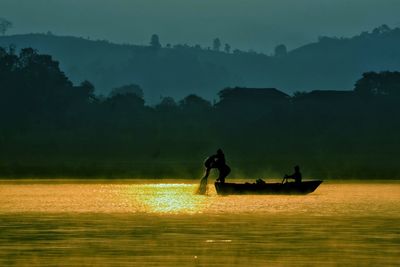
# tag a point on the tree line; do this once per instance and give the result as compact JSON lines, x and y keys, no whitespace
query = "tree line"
{"x":53,"y":128}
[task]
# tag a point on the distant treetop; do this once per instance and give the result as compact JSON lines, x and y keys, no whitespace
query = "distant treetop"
{"x":379,"y":83}
{"x":132,"y":89}
{"x":217,"y":44}
{"x":155,"y":41}
{"x":5,"y":25}
{"x":280,"y":50}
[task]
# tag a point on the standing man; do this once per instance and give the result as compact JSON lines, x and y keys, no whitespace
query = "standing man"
{"x":217,"y":161}
{"x":220,"y":164}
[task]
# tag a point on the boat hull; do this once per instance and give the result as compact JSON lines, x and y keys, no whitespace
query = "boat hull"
{"x":302,"y":188}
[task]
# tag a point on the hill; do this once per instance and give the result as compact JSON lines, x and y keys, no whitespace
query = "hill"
{"x":329,"y":64}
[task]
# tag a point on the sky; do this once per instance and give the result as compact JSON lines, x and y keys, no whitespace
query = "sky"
{"x":245,"y":24}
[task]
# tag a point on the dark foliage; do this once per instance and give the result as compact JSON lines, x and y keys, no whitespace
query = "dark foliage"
{"x":384,"y":83}
{"x":51,"y":128}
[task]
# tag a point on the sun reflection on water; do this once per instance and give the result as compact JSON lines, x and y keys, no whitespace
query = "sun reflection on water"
{"x":167,"y":198}
{"x":179,"y":198}
{"x":150,"y":223}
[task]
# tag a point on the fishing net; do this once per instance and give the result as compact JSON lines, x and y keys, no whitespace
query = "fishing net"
{"x":203,"y":187}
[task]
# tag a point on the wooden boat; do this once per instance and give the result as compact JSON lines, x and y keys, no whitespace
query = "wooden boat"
{"x":291,"y":188}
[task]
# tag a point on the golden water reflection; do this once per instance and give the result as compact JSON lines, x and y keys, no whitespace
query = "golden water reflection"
{"x":331,"y":199}
{"x":163,"y":223}
{"x":167,"y":198}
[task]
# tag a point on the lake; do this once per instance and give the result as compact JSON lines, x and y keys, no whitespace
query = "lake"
{"x":163,"y":223}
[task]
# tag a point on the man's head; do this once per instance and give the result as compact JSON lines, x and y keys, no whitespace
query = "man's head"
{"x":219,"y":151}
{"x":297,"y":168}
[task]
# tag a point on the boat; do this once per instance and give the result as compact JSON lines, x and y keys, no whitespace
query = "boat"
{"x":288,"y":188}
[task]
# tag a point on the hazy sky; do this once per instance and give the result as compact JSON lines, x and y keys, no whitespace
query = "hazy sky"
{"x":245,"y":24}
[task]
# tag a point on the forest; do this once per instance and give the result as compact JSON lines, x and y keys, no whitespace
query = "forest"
{"x":51,"y":127}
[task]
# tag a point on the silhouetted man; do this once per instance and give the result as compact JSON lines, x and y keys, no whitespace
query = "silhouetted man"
{"x":217,"y":161}
{"x":209,"y":163}
{"x":296,"y":175}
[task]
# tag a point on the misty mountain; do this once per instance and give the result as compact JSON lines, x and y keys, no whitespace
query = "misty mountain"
{"x":163,"y":70}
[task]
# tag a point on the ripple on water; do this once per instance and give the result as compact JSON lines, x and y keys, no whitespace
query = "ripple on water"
{"x":166,"y":224}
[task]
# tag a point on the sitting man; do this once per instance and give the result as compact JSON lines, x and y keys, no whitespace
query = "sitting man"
{"x":296,"y":175}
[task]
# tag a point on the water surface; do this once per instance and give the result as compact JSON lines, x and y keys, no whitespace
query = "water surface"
{"x":153,"y":223}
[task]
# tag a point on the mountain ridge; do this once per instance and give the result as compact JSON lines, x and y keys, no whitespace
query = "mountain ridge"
{"x":331,"y":63}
